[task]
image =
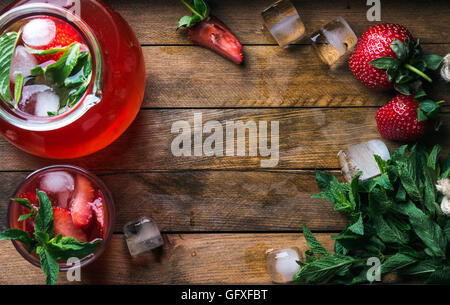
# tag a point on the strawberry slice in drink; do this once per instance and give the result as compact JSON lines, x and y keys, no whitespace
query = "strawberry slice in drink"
{"x":62,"y":220}
{"x":97,"y":207}
{"x":81,"y":208}
{"x":44,"y":33}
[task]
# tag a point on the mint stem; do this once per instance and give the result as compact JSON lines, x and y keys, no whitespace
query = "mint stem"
{"x":191,"y":9}
{"x":418,"y":72}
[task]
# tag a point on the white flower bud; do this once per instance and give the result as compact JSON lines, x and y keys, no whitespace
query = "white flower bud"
{"x":445,"y":70}
{"x":445,"y":206}
{"x":443,"y":186}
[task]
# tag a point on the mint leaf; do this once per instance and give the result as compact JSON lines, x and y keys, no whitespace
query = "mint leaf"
{"x":7,"y":45}
{"x":426,"y":229}
{"x":358,"y":226}
{"x":382,"y":164}
{"x":44,"y":217}
{"x":396,"y":262}
{"x":433,"y":158}
{"x":49,"y":265}
{"x":37,"y":71}
{"x":41,"y":237}
{"x":19,"y":235}
{"x":62,"y":248}
{"x":407,"y":174}
{"x":23,"y":202}
{"x":45,"y":52}
{"x":313,"y":243}
{"x":388,"y":231}
{"x":18,"y":85}
{"x":322,"y":268}
{"x":59,"y":71}
{"x":24,"y":217}
{"x":440,"y":276}
{"x":446,"y":168}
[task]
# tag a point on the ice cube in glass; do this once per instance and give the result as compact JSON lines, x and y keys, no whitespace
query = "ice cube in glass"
{"x":334,"y":41}
{"x":360,"y":157}
{"x":282,"y":264}
{"x":284,"y":23}
{"x":142,"y":235}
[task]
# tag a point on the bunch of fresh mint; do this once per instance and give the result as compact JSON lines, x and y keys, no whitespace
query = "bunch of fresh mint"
{"x":394,"y":217}
{"x":69,"y":76}
{"x":50,"y":249}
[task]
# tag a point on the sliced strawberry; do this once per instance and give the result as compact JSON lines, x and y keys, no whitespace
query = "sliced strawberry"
{"x":209,"y":32}
{"x":99,"y":213}
{"x":82,"y":202}
{"x":62,"y":220}
{"x":214,"y":35}
{"x":61,"y":34}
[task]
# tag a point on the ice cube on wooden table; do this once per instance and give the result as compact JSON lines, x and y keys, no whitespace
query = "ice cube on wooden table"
{"x":360,"y":157}
{"x":142,"y":236}
{"x":333,"y":41}
{"x":283,"y":22}
{"x":282,"y":264}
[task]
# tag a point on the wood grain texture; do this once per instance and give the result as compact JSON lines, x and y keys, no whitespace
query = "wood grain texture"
{"x":211,"y":200}
{"x":271,"y":77}
{"x":309,"y":138}
{"x":185,"y":259}
{"x":155,"y":22}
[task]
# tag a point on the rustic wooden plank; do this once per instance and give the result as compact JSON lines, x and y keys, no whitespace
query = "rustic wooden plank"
{"x":308,"y":139}
{"x":185,"y":259}
{"x":211,"y":200}
{"x":271,"y":77}
{"x":155,"y":22}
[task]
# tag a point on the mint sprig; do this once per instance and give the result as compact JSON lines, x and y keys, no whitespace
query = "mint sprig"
{"x":397,"y":220}
{"x":71,"y":73}
{"x":200,"y":11}
{"x":50,"y":249}
{"x":408,"y":69}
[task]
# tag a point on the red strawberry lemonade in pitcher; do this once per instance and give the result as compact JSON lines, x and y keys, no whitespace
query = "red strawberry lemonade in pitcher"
{"x":71,"y":81}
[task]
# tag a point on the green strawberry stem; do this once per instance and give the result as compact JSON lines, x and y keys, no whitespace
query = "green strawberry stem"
{"x":418,"y":72}
{"x":192,"y":9}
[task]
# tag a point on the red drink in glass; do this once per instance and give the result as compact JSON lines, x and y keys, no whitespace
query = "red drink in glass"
{"x":112,"y":98}
{"x":82,"y":207}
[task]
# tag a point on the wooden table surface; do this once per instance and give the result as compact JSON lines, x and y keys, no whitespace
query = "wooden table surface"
{"x":219,"y":215}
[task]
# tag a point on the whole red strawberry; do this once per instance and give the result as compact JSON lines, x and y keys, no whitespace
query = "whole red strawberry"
{"x":387,"y":57}
{"x":398,"y":120}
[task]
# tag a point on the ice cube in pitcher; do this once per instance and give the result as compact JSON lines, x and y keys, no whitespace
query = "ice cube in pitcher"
{"x":334,"y":41}
{"x":283,"y":22}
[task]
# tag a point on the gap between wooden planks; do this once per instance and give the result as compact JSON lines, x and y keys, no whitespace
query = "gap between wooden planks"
{"x":185,"y":259}
{"x":212,"y":201}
